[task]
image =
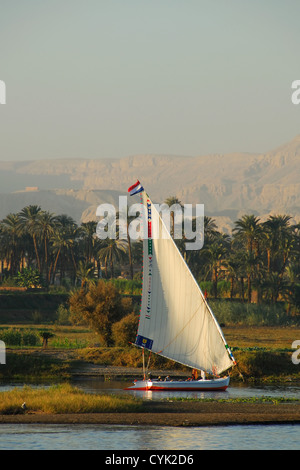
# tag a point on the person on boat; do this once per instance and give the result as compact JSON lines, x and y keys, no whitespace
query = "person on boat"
{"x":167,"y":379}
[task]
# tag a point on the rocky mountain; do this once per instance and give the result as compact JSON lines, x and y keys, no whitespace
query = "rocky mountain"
{"x":229,"y":185}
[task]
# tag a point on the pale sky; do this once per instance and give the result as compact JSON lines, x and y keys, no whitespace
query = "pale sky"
{"x":112,"y":78}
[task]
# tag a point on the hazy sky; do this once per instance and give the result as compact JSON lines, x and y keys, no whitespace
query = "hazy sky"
{"x":111,"y":78}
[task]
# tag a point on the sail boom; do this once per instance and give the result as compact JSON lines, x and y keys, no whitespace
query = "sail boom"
{"x":191,"y":366}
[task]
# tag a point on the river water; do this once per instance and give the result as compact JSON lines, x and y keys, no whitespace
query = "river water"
{"x":138,"y":438}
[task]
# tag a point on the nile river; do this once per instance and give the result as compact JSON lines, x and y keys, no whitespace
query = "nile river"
{"x":125,"y":438}
{"x":103,"y":437}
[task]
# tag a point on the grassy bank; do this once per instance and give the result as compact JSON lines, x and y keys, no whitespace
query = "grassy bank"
{"x":64,"y":399}
{"x":28,"y":366}
{"x":254,"y":365}
{"x":263,"y":354}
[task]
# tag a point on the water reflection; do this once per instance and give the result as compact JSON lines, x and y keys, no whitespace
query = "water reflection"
{"x":105,"y":437}
{"x":240,"y":390}
{"x":99,"y":385}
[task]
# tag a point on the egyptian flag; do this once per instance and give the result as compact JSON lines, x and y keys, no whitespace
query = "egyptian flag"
{"x":135,"y":188}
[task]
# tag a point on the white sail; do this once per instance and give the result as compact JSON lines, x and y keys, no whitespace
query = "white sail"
{"x":175,"y":320}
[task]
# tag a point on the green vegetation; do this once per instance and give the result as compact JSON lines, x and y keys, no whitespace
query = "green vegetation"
{"x":19,"y":337}
{"x":263,"y":399}
{"x":64,"y":399}
{"x":263,"y":354}
{"x":71,"y":297}
{"x":238,"y":313}
{"x":258,"y":263}
{"x":100,"y":305}
{"x":34,"y":368}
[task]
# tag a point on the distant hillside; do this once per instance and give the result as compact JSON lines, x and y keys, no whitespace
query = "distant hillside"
{"x":79,"y":204}
{"x":229,"y":185}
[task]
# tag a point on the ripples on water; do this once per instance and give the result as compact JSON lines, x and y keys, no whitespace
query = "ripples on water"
{"x":91,"y":437}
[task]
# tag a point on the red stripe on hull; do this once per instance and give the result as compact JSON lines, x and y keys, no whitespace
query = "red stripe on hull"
{"x":182,"y":389}
{"x":179,"y":389}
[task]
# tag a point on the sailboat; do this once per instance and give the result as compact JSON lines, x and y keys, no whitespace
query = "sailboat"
{"x":176,"y":321}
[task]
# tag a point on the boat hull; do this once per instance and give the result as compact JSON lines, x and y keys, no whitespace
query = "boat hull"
{"x":220,"y":384}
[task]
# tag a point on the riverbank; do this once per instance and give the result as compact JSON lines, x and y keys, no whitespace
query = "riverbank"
{"x":33,"y":365}
{"x":185,"y":414}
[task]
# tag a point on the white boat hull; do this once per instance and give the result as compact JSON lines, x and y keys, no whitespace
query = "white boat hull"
{"x":178,"y":385}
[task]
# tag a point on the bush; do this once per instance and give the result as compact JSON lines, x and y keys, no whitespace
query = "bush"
{"x":63,"y":315}
{"x":29,"y":338}
{"x":223,"y":288}
{"x":128,"y":286}
{"x":29,"y":277}
{"x":124,"y":331}
{"x":18,"y":337}
{"x":258,"y":364}
{"x":11,"y":337}
{"x":100,"y":305}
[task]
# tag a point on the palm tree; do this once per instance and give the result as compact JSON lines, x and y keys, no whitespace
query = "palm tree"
{"x":274,"y":285}
{"x":282,"y":246}
{"x":129,"y":219}
{"x":10,"y":241}
{"x":111,"y":251}
{"x":173,"y":201}
{"x":63,"y":240}
{"x":210,"y":228}
{"x":88,"y":231}
{"x":45,"y":228}
{"x":277,"y":238}
{"x":85,"y":272}
{"x":251,"y":264}
{"x":231,"y":264}
{"x":29,"y":219}
{"x":248,"y":232}
{"x":216,"y":252}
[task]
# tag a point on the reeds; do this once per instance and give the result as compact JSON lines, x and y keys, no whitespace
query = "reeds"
{"x":61,"y":399}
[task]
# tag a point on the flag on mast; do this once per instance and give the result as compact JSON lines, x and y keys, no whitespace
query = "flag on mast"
{"x":135,"y":188}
